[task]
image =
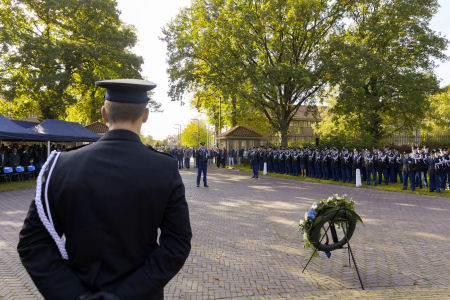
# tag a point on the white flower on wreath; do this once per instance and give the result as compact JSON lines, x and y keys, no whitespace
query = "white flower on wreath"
{"x":314,"y":206}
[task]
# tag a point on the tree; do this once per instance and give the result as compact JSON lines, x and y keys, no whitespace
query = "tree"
{"x":189,"y":134}
{"x":271,"y":54}
{"x":54,"y":51}
{"x":437,"y":120}
{"x":383,"y":71}
{"x":147,"y":139}
{"x":342,"y":129}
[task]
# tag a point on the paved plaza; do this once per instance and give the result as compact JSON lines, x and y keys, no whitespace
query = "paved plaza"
{"x":246,"y":243}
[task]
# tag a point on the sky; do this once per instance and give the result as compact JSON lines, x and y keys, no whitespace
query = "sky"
{"x":149,"y":17}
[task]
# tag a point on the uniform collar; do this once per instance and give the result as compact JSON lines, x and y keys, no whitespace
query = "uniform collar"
{"x":121,"y":134}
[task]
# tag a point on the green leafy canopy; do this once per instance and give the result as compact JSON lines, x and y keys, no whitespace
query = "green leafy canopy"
{"x":54,"y":51}
{"x":273,"y":56}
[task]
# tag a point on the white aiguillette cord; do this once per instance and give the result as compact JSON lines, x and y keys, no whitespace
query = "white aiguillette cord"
{"x":47,"y":221}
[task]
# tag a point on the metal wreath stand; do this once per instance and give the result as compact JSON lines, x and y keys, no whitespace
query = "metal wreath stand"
{"x":343,"y":218}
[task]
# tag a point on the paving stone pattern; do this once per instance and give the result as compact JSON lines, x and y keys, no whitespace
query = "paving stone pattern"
{"x":246,"y":243}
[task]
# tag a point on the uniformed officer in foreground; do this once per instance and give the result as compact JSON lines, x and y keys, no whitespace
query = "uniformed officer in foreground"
{"x":108,"y":199}
{"x":202,"y":162}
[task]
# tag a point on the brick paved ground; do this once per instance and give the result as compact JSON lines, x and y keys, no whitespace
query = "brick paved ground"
{"x":246,"y":243}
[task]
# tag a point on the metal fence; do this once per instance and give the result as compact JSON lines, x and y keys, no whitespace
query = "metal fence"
{"x":393,"y":140}
{"x":294,"y":141}
{"x":411,"y":140}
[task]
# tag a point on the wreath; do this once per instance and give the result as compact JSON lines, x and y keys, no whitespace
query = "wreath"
{"x":332,"y":219}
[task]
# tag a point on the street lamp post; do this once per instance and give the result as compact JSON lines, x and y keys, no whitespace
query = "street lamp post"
{"x":220,"y":113}
{"x":179,"y":132}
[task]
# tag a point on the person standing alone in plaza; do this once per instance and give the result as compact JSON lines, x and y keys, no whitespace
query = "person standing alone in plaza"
{"x":202,"y":162}
{"x":120,"y":206}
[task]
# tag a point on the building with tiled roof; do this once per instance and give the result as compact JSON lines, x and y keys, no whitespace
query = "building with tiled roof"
{"x":97,"y":127}
{"x":304,"y":119}
{"x":240,"y":137}
{"x":301,"y":126}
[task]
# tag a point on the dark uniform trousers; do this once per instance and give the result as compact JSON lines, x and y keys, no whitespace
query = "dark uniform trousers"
{"x":408,"y":175}
{"x":373,"y":172}
{"x":202,"y":159}
{"x":270,"y":165}
{"x":187,"y":161}
{"x":109,"y":199}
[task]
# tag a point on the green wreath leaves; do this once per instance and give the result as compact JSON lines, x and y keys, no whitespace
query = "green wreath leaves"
{"x":322,"y":208}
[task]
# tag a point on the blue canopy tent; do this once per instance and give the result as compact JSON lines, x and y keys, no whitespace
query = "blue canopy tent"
{"x":11,"y":131}
{"x":63,"y":131}
{"x":25,"y":124}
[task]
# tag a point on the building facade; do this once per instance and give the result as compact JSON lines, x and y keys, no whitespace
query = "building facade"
{"x":301,"y":128}
{"x":240,"y":137}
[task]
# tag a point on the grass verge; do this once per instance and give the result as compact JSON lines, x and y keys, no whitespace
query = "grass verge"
{"x":391,"y":187}
{"x":17,"y":185}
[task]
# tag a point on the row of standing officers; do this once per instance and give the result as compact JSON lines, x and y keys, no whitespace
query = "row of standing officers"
{"x":421,"y":166}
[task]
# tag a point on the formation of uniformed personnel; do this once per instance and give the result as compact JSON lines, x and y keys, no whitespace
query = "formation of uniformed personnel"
{"x":108,"y":200}
{"x":183,"y":156}
{"x":382,"y":165}
{"x":178,"y":154}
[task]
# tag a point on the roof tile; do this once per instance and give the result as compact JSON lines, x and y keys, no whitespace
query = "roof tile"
{"x":241,"y":131}
{"x":97,"y":127}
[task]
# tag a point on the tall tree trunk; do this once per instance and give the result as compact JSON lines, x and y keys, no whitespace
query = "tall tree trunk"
{"x":233,"y":112}
{"x":284,"y":127}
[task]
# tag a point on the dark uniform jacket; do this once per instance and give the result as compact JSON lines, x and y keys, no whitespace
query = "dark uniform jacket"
{"x":202,"y":157}
{"x":383,"y":160}
{"x":368,"y":161}
{"x":407,"y":165}
{"x":318,"y":159}
{"x":254,"y":158}
{"x":357,"y":162}
{"x":346,"y":160}
{"x":109,"y":199}
{"x":335,"y":160}
{"x":432,"y":165}
{"x":417,"y":162}
{"x":398,"y":161}
{"x":391,"y":160}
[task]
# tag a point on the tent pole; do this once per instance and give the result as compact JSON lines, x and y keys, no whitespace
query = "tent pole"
{"x":48,"y":148}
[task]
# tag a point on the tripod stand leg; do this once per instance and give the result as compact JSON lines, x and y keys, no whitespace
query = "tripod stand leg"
{"x":356,"y":267}
{"x":353,"y":258}
{"x":309,"y":260}
{"x":315,"y":250}
{"x":349,"y":262}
